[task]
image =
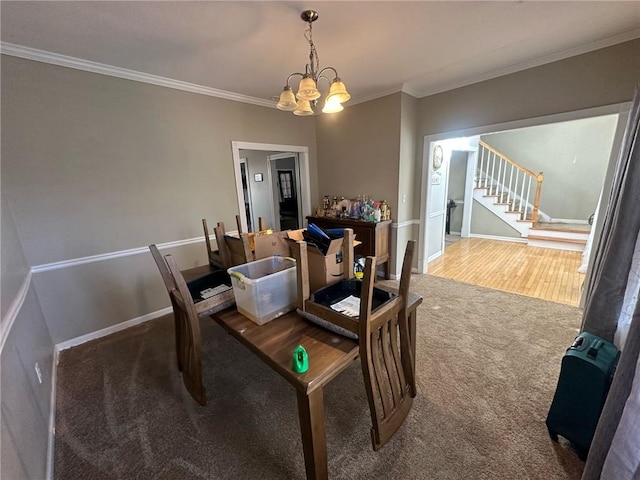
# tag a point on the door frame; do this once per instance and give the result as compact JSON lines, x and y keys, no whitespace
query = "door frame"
{"x":617,"y":108}
{"x":246,"y":171}
{"x":303,"y":167}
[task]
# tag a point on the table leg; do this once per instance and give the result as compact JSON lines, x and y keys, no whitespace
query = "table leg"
{"x":314,"y":442}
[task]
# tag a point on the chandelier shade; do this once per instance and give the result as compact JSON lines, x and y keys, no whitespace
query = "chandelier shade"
{"x":308,"y":92}
{"x":303,"y":109}
{"x":338,"y":91}
{"x":287,"y":100}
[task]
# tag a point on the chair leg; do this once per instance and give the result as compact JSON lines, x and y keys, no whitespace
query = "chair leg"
{"x":192,"y":376}
{"x":179,"y":329}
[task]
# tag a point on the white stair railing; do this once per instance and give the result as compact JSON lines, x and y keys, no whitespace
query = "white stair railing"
{"x":516,"y":185}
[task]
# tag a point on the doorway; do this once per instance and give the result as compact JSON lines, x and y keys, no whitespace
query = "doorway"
{"x":246,"y":195}
{"x":260,"y":181}
{"x":427,"y":236}
{"x":285,"y":191}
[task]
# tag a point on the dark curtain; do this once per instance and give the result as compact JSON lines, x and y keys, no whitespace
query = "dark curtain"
{"x":605,"y":290}
{"x":604,"y":297}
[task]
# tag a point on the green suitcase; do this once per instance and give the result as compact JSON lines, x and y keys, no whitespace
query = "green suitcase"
{"x":585,"y":377}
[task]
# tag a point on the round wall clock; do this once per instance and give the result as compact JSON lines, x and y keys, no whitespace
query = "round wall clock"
{"x":437,"y":157}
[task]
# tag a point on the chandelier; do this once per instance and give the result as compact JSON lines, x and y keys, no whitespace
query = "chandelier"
{"x":308,"y":93}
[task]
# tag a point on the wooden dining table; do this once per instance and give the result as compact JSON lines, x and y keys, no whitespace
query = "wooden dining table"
{"x":329,"y":354}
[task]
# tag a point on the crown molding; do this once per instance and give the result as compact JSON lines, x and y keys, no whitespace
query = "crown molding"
{"x":104,"y":69}
{"x":405,"y":88}
{"x":535,"y":62}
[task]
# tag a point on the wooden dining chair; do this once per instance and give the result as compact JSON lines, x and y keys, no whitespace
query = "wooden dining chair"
{"x":203,"y":308}
{"x":191,"y":339}
{"x":233,"y":250}
{"x":215,"y":259}
{"x":262,"y":225}
{"x":385,"y":354}
{"x":170,"y":284}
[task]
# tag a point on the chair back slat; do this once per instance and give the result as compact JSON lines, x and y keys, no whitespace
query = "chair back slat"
{"x":214,"y":256}
{"x":162,"y":266}
{"x":391,"y":361}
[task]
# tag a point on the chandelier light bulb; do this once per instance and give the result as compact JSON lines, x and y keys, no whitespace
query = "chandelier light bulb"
{"x":332,"y":105}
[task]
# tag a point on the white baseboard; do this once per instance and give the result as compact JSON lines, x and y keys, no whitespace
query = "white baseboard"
{"x":54,"y":371}
{"x":112,"y":329}
{"x":568,"y":220}
{"x":397,"y":277}
{"x":52,"y":415}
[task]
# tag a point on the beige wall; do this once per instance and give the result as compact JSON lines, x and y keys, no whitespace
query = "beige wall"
{"x":14,"y":267}
{"x":358,"y":152}
{"x":602,"y":77}
{"x":93,"y":165}
{"x":25,"y":403}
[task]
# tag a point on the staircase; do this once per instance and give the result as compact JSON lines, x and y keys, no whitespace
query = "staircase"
{"x":505,"y":189}
{"x":560,"y":236}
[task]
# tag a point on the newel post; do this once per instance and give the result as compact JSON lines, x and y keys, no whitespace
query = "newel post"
{"x":536,"y":201}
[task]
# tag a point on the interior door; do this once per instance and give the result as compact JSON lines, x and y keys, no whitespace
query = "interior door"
{"x":437,"y":200}
{"x":288,"y":199}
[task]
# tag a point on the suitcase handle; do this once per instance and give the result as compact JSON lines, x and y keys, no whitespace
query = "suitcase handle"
{"x":577,"y":343}
{"x":594,"y":348}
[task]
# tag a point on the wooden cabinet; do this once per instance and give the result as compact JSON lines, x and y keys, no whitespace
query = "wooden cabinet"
{"x":375,"y":237}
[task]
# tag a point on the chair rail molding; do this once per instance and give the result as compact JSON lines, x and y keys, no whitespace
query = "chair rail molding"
{"x":45,"y":267}
{"x":14,"y":309}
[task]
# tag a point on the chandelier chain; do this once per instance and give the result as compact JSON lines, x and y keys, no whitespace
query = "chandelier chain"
{"x":314,"y":60}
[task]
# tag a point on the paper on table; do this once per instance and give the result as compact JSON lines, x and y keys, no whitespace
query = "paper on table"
{"x":210,"y":292}
{"x":350,"y":306}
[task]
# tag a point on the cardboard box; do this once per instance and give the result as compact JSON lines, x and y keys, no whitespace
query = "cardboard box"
{"x":323,"y":269}
{"x":274,"y":244}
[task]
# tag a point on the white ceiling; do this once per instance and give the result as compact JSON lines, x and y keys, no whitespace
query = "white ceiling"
{"x":250,"y":48}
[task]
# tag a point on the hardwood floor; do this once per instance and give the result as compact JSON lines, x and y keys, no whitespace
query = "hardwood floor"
{"x":513,"y":267}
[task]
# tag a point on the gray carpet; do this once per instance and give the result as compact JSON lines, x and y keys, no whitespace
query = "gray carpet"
{"x":487,"y":366}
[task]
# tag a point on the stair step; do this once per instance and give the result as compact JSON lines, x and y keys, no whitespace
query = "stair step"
{"x":577,"y":241}
{"x":560,"y":230}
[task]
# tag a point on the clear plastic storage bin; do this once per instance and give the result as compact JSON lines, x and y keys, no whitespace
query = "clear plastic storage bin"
{"x":265,"y":289}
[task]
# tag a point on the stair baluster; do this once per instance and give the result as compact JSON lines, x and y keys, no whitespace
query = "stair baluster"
{"x":517,"y":190}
